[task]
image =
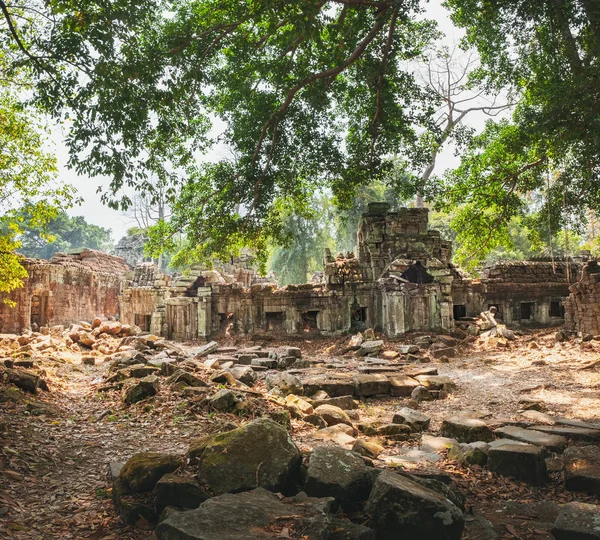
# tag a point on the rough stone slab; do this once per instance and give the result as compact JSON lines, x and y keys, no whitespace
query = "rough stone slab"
{"x":521,"y":461}
{"x":411,"y":455}
{"x":260,"y":452}
{"x":207,"y":349}
{"x":346,"y":403}
{"x":577,"y":521}
{"x":429,"y":443}
{"x":403,"y":508}
{"x":341,"y":474}
{"x":333,"y":386}
{"x":575,"y":433}
{"x":268,"y":363}
{"x":257,"y":515}
{"x":415,"y":372}
{"x":371,"y":385}
{"x":465,"y":429}
{"x":555,"y":443}
{"x":582,"y":469}
{"x":402,"y":385}
{"x":437,"y":382}
{"x":414,"y":419}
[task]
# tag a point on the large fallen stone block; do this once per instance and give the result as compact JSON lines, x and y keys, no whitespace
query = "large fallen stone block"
{"x":402,"y":508}
{"x":142,"y":471}
{"x":181,"y":491}
{"x":333,"y":415}
{"x":568,"y":432}
{"x":524,"y":462}
{"x":371,"y":385}
{"x":259,"y":515}
{"x":333,"y":386}
{"x":402,"y":385}
{"x":465,"y":429}
{"x":577,"y":521}
{"x":341,"y":474}
{"x":582,"y":469}
{"x":139,"y":389}
{"x":416,"y":420}
{"x":21,"y":379}
{"x":285,"y":383}
{"x":260,"y":453}
{"x":554,"y":443}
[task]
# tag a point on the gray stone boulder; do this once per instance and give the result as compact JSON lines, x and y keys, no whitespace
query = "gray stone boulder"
{"x":142,"y":471}
{"x":577,"y":521}
{"x":244,"y":374}
{"x":403,"y":508}
{"x":260,"y":515}
{"x":524,"y":462}
{"x":139,"y":389}
{"x":181,"y":491}
{"x":260,"y":453}
{"x":465,"y":429}
{"x":414,"y":419}
{"x":369,"y":347}
{"x":286,"y":383}
{"x":333,"y":415}
{"x":582,"y":469}
{"x":341,"y":474}
{"x":224,"y":400}
{"x":421,"y":393}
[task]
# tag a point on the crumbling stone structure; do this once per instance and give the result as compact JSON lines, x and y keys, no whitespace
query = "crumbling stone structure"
{"x":582,"y":307}
{"x":68,"y":288}
{"x":524,"y":292}
{"x":400,"y":280}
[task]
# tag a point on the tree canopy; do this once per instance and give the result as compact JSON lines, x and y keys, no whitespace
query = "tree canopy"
{"x":546,"y":55}
{"x":61,"y":233}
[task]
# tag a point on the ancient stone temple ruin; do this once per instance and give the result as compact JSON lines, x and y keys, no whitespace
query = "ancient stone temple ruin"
{"x":399,"y":280}
{"x":65,"y":289}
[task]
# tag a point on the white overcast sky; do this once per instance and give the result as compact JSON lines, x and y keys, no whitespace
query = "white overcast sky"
{"x":95,"y":212}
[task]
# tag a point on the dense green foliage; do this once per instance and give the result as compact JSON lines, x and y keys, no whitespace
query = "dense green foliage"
{"x":61,"y":233}
{"x":27,"y":176}
{"x":546,"y":55}
{"x":314,"y":95}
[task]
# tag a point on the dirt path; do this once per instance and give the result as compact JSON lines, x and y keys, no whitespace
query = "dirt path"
{"x":53,"y":465}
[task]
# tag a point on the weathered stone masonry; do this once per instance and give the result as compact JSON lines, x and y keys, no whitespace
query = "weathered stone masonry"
{"x":400,"y":280}
{"x":66,"y":289}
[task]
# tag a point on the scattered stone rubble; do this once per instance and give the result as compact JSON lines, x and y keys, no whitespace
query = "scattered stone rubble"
{"x":237,"y":471}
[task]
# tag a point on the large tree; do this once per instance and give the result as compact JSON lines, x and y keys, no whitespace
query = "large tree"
{"x":546,"y":55}
{"x":312,"y":95}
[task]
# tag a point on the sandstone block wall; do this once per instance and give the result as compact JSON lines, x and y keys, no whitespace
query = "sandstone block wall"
{"x":582,"y":307}
{"x":66,"y":289}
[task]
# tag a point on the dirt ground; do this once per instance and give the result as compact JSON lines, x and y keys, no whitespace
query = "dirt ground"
{"x":56,"y":446}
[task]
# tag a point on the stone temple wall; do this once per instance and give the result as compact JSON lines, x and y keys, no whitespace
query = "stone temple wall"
{"x":66,"y":289}
{"x":582,"y":307}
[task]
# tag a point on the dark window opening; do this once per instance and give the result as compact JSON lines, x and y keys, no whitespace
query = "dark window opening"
{"x":143,"y":321}
{"x":460,"y":311}
{"x":557,"y":309}
{"x":309,"y":321}
{"x":416,"y":273}
{"x":527,"y":311}
{"x":275,"y":320}
{"x":225,"y":320}
{"x":39,"y":306}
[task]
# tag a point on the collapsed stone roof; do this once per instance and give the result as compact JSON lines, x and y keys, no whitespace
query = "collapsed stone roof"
{"x":93,"y":260}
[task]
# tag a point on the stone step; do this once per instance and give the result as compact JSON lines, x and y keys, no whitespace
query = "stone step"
{"x":555,"y":443}
{"x":575,"y":433}
{"x":524,"y":462}
{"x":577,"y":521}
{"x":582,"y":469}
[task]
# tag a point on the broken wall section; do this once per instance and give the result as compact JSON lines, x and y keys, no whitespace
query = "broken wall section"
{"x":582,"y":307}
{"x":68,"y":288}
